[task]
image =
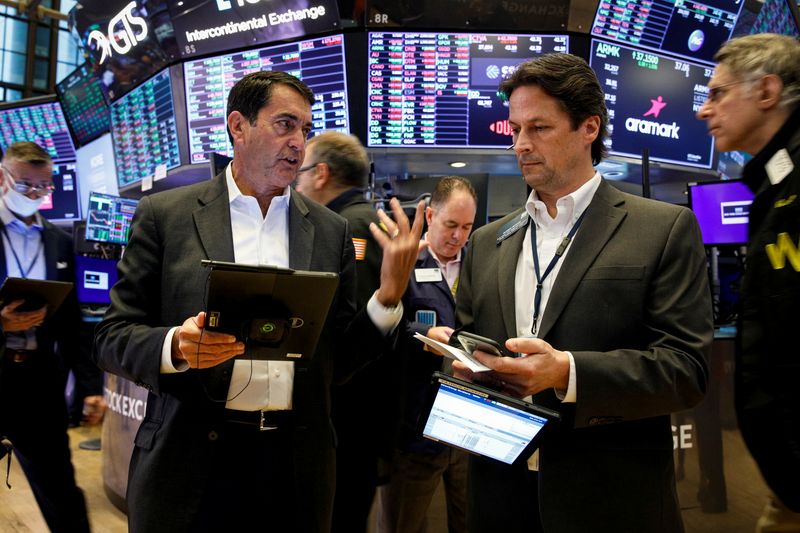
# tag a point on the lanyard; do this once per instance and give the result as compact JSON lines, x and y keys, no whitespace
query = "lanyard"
{"x":537,"y":298}
{"x":24,"y":271}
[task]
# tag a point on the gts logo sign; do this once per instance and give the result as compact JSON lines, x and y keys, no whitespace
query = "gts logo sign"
{"x":121,"y":39}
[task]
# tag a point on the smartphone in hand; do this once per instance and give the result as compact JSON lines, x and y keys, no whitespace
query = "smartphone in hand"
{"x":471,"y":342}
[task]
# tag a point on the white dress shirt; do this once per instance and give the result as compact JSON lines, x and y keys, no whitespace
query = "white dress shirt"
{"x":550,"y":232}
{"x":260,"y":240}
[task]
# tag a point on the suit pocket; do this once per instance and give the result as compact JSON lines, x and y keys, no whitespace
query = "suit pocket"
{"x":622,"y":272}
{"x":146,"y":434}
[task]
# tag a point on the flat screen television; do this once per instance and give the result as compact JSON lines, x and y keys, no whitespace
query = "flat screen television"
{"x":652,"y":100}
{"x":96,"y":170}
{"x":320,"y":63}
{"x":83,"y":100}
{"x":203,"y":27}
{"x":94,"y":278}
{"x":108,"y":219}
{"x":62,"y":204}
{"x":722,"y":209}
{"x":690,"y":30}
{"x":143,"y":126}
{"x":440,"y":89}
{"x":38,"y":120}
{"x":127,"y":41}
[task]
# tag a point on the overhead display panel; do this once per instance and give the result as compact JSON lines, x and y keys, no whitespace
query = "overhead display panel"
{"x":127,"y":40}
{"x":692,"y":30}
{"x":42,"y":123}
{"x":84,"y":104}
{"x":652,"y":101}
{"x":440,"y":89}
{"x":318,"y":62}
{"x":203,"y":27}
{"x":523,"y":15}
{"x":144,"y":131}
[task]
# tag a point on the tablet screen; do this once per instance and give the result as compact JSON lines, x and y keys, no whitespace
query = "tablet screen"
{"x":481,"y":424}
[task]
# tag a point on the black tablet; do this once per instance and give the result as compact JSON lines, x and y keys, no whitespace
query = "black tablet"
{"x":36,"y":292}
{"x":278,"y":313}
{"x":483,"y":421}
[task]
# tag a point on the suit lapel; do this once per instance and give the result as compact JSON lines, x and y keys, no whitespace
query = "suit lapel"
{"x":510,"y":249}
{"x":603,"y":216}
{"x":213,"y":221}
{"x":426,"y":260}
{"x":50,"y":254}
{"x":301,"y":234}
{"x":3,"y":269}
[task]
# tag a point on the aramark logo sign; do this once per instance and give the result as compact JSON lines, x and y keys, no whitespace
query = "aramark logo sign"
{"x":650,"y":127}
{"x":121,"y":39}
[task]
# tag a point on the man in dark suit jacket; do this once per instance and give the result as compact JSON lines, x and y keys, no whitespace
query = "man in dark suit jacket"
{"x":334,"y":174}
{"x":38,"y":350}
{"x":617,"y":281}
{"x":754,"y":105}
{"x":232,"y":444}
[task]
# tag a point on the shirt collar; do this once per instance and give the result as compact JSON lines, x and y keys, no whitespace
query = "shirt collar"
{"x":569,"y":207}
{"x":234,"y":193}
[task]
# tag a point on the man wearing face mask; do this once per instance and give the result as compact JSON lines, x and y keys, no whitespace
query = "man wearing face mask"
{"x":33,"y":411}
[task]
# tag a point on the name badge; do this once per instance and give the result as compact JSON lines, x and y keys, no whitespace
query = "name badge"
{"x":427,"y":275}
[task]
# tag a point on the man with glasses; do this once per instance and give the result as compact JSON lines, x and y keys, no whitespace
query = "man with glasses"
{"x":334,"y":173}
{"x":754,"y":106}
{"x":35,"y":348}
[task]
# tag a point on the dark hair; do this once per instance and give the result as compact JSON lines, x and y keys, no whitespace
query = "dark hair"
{"x":345,"y":156}
{"x":251,"y":93}
{"x":447,"y":186}
{"x":28,"y":152}
{"x":571,"y":81}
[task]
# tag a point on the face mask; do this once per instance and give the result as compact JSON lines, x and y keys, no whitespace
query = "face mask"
{"x":20,"y":204}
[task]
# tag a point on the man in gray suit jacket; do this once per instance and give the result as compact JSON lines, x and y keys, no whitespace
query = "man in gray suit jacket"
{"x":234,"y":445}
{"x":605,"y":297}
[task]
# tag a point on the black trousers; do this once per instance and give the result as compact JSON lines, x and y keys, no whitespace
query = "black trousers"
{"x":492,"y":490}
{"x":33,"y":416}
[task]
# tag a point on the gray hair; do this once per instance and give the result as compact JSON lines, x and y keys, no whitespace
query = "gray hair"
{"x":345,"y":156}
{"x":754,"y":56}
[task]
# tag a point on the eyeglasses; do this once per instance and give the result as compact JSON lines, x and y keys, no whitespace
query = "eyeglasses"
{"x":26,"y":187}
{"x":306,"y":169}
{"x":716,"y":93}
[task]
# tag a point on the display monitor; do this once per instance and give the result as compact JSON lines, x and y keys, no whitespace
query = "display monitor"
{"x":62,"y":204}
{"x":778,"y":16}
{"x":691,"y":30}
{"x":94,"y":278}
{"x":144,"y":129}
{"x":652,"y":101}
{"x":318,"y":62}
{"x":203,"y":27}
{"x":109,"y":218}
{"x":38,"y":120}
{"x":440,"y":89}
{"x":722,"y":209}
{"x":84,"y":102}
{"x":126,"y":40}
{"x":96,"y":170}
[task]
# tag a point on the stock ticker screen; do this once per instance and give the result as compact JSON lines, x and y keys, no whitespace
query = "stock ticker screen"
{"x":85,"y":105}
{"x":652,"y":101}
{"x":43,"y":124}
{"x":440,"y":89}
{"x":109,"y":217}
{"x":692,"y":30}
{"x":318,"y":62}
{"x":144,"y":131}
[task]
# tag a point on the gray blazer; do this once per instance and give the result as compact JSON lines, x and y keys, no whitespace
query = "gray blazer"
{"x":632,"y":304}
{"x":161,"y":283}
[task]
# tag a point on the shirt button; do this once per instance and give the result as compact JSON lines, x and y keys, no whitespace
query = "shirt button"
{"x":277,"y":373}
{"x":212,"y":435}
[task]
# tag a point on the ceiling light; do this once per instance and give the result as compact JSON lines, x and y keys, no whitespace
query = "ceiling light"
{"x":458,"y":164}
